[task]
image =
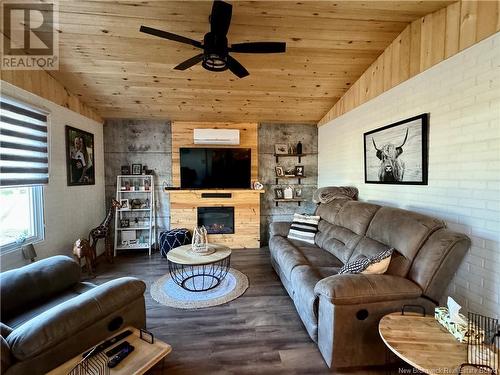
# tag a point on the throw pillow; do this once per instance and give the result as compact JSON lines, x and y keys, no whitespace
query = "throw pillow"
{"x":377,"y":264}
{"x":304,"y":228}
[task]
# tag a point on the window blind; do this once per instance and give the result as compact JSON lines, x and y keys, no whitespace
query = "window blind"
{"x":23,"y":145}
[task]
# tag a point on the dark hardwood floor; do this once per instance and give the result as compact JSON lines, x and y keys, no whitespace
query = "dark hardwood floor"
{"x":258,"y":333}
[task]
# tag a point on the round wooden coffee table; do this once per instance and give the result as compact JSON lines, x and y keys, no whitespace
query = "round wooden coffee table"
{"x":423,"y":343}
{"x":198,"y":273}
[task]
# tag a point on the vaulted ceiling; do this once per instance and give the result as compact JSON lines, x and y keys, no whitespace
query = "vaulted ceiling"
{"x":122,"y":73}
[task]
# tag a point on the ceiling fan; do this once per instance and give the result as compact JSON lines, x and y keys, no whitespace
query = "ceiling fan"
{"x":215,"y":56}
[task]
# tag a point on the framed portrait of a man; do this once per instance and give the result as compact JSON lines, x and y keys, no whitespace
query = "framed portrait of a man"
{"x":79,"y":157}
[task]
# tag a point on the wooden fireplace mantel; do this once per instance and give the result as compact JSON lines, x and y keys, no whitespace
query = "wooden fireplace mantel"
{"x":184,"y":214}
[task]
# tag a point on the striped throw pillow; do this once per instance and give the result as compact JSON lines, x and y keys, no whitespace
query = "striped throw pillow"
{"x":304,"y":228}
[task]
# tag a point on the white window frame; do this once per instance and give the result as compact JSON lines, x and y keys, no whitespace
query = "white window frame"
{"x":37,"y":220}
{"x":36,"y":191}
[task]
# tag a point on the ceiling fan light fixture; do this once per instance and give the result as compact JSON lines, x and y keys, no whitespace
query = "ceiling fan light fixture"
{"x":214,"y":62}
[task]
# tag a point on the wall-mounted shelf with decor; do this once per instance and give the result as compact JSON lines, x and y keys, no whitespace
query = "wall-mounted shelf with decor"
{"x":293,"y":200}
{"x":299,"y":156}
{"x":288,"y":177}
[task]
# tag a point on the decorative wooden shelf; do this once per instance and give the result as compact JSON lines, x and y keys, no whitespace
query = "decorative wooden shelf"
{"x":299,"y":156}
{"x":288,"y":177}
{"x":296,"y":200}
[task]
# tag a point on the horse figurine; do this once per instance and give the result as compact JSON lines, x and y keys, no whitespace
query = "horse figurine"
{"x":82,"y":249}
{"x":103,"y":231}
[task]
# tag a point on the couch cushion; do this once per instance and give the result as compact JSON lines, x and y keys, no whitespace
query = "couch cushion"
{"x":437,"y":261}
{"x":55,"y":325}
{"x":338,"y":241}
{"x":328,"y":211}
{"x":406,"y":231}
{"x":356,"y":216}
{"x":285,"y":254}
{"x":26,"y":287}
{"x":318,"y":257}
{"x":34,"y":311}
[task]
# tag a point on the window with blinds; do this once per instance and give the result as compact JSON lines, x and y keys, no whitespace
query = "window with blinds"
{"x":23,"y":145}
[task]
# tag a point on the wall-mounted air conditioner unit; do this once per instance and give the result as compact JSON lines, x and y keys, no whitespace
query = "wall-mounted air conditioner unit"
{"x":216,"y":137}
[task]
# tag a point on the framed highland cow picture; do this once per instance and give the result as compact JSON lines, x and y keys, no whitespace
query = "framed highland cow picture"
{"x":397,"y":153}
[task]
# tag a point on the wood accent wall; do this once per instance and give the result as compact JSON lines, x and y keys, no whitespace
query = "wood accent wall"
{"x":182,"y":136}
{"x":422,"y":44}
{"x":40,"y":83}
{"x":246,"y":203}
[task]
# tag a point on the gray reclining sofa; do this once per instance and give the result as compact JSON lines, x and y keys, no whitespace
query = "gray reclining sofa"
{"x":341,"y":312}
{"x":48,"y":316}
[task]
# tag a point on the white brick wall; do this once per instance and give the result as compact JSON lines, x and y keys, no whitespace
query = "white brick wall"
{"x":462,"y":95}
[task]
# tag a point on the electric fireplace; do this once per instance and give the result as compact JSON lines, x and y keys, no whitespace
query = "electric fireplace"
{"x":217,"y":220}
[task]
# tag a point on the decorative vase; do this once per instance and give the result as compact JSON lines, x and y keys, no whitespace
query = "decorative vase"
{"x":199,"y":244}
{"x":299,"y":148}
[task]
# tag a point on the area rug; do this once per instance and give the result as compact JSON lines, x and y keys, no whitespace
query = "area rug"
{"x":168,"y":293}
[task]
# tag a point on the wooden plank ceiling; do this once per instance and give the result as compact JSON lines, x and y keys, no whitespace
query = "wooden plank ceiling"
{"x":123,"y":73}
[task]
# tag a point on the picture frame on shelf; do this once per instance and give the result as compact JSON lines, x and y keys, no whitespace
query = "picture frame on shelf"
{"x":79,"y":157}
{"x":136,"y":169}
{"x":147,"y":184}
{"x":278,"y":193}
{"x":292,"y":149}
{"x":125,"y":169}
{"x":290,"y":172}
{"x":129,"y":235}
{"x":298,"y":192}
{"x":281,"y":149}
{"x":288,"y":192}
{"x":124,"y":223}
{"x":124,"y":205}
{"x":280,"y":172}
{"x":299,"y":171}
{"x":398,"y":153}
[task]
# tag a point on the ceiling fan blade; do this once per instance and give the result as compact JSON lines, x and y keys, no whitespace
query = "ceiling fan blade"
{"x":258,"y":47}
{"x":220,"y":17}
{"x":235,"y":67}
{"x":170,"y":36}
{"x":190,"y":62}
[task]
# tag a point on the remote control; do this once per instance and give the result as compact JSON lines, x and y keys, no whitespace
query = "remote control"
{"x":108,"y":343}
{"x":117,"y":349}
{"x":115,"y":361}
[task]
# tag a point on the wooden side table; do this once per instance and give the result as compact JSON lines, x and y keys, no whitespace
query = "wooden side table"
{"x":143,"y":358}
{"x":423,"y":343}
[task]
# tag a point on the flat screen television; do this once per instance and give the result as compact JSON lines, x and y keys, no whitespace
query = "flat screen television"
{"x":215,"y":168}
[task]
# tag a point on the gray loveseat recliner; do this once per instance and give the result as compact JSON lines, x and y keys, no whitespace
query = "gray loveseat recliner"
{"x":341,"y":312}
{"x":48,"y":316}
